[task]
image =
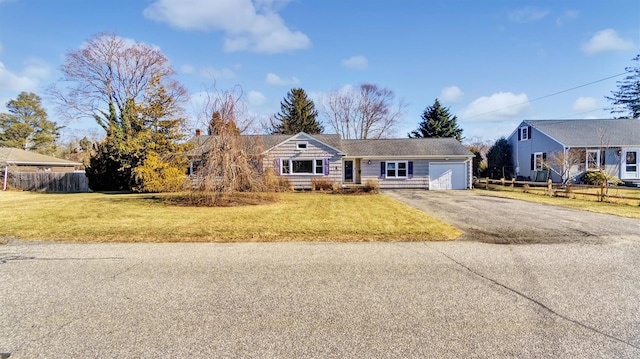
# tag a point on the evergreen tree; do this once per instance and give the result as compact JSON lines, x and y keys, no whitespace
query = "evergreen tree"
{"x":26,"y":126}
{"x":437,"y":122}
{"x":499,"y":159}
{"x":626,"y":100}
{"x":297,"y":114}
{"x":145,"y":152}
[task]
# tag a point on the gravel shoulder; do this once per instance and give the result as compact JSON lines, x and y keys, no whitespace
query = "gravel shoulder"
{"x":508,"y":221}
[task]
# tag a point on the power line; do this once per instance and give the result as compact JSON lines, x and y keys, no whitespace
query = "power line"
{"x":546,"y":96}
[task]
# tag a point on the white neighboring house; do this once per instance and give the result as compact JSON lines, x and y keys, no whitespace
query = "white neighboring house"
{"x":609,"y":145}
{"x":429,"y":163}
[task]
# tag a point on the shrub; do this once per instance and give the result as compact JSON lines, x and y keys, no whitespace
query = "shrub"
{"x":598,"y":178}
{"x":371,"y":186}
{"x":321,"y":184}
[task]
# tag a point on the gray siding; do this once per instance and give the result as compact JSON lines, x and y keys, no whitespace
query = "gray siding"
{"x":420,"y":177}
{"x":521,"y":152}
{"x":315,"y":150}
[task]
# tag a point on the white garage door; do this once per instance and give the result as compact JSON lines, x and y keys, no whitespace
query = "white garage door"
{"x":447,"y":176}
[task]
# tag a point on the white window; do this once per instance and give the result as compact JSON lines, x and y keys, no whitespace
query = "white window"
{"x":301,"y":146}
{"x":310,"y":166}
{"x":593,"y":160}
{"x":286,"y":168}
{"x":397,"y":169}
{"x":524,"y":133}
{"x":631,"y":161}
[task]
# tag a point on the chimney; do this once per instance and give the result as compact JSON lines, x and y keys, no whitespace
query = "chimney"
{"x":198,"y":132}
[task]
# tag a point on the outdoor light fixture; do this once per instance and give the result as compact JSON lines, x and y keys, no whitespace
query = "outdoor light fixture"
{"x":369,"y":162}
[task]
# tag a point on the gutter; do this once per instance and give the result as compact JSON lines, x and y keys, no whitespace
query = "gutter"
{"x":61,"y":164}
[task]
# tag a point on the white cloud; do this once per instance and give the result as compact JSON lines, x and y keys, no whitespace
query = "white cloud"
{"x":451,"y":94}
{"x":224,"y":73}
{"x":527,"y":15}
{"x":247,"y":27}
{"x":28,"y":80}
{"x":356,"y":63}
{"x":567,"y":15}
{"x":497,"y":107}
{"x":585,"y":104}
{"x":273,"y":79}
{"x":37,"y":69}
{"x":187,"y":69}
{"x":256,"y":98}
{"x":606,"y":40}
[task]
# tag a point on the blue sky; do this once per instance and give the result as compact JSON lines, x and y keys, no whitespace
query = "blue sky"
{"x":492,"y":62}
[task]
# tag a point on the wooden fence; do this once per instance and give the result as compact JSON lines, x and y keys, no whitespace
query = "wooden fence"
{"x":600,"y":193}
{"x":48,"y":181}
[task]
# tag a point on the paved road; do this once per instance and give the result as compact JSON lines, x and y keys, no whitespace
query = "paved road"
{"x":322,"y":300}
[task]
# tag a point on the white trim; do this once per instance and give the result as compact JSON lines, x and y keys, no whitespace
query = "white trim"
{"x":623,"y":164}
{"x":307,"y":137}
{"x":586,"y":160}
{"x":314,"y":166}
{"x":524,"y":130}
{"x":538,"y":166}
{"x":302,"y":145}
{"x":396,"y":169}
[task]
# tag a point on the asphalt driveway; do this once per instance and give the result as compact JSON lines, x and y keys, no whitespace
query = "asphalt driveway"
{"x":508,"y":221}
{"x":563,"y":298}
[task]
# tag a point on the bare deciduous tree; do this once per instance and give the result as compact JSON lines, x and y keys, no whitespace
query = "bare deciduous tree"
{"x":367,"y":112}
{"x":109,"y":72}
{"x":225,"y":108}
{"x":562,"y":162}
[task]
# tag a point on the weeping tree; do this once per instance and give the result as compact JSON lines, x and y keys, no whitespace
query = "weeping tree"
{"x":230,"y":162}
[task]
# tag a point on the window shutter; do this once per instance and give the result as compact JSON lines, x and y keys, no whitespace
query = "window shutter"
{"x":544,"y":160}
{"x":277,"y":166}
{"x":529,"y":132}
{"x":410,"y":169}
{"x":519,"y":134}
{"x":326,"y":166}
{"x":382,"y":169}
{"x":532,"y":163}
{"x":602,"y":157}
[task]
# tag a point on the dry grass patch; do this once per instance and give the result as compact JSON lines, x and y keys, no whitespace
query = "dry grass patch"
{"x":99,"y":217}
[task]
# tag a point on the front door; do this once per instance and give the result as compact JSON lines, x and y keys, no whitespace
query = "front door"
{"x":348,"y":171}
{"x":631,"y":164}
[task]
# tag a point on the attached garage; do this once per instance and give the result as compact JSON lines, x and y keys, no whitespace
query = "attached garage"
{"x":447,"y":175}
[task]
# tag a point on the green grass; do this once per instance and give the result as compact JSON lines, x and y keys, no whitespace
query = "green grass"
{"x":99,"y":217}
{"x":618,"y":209}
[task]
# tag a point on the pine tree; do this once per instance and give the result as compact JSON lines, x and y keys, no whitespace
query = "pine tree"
{"x":26,"y":126}
{"x":297,"y":114}
{"x":437,"y":122}
{"x":626,"y":100}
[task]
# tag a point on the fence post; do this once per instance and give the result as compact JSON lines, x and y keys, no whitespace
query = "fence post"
{"x":486,"y":186}
{"x":550,"y":187}
{"x":502,"y":181}
{"x":513,"y":183}
{"x":603,"y":188}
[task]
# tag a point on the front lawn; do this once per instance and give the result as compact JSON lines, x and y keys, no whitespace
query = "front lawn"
{"x":100,"y":217}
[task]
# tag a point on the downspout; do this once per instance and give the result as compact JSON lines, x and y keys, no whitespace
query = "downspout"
{"x":4,"y":182}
